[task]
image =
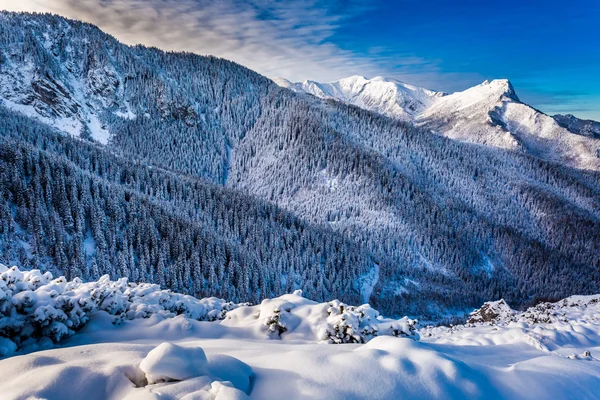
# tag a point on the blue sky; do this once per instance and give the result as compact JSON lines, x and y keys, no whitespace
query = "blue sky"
{"x":550,"y":50}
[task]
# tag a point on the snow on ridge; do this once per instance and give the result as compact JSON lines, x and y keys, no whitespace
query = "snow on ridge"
{"x":556,"y":328}
{"x":482,"y":96}
{"x":386,"y":96}
{"x":570,"y":308}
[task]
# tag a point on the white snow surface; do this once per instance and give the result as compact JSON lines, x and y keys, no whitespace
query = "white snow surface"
{"x":549,"y":351}
{"x":99,"y":133}
{"x":488,"y":114}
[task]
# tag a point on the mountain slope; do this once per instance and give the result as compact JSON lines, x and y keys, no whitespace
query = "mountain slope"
{"x":489,"y":114}
{"x":417,"y":222}
{"x":71,"y":203}
{"x":74,"y":77}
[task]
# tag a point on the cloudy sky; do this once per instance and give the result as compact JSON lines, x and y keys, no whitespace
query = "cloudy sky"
{"x":550,"y":49}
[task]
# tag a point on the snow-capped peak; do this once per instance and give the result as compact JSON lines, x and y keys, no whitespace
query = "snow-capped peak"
{"x":501,"y":88}
{"x":283,"y":82}
{"x":492,"y":114}
{"x":485,"y":95}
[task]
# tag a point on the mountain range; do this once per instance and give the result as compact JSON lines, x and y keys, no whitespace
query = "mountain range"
{"x":208,"y":178}
{"x":490,"y":114}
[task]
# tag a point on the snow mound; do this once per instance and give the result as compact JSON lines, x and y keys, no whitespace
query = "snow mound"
{"x":554,"y":328}
{"x":574,"y":308}
{"x":112,"y":371}
{"x":220,"y":377}
{"x":221,"y":391}
{"x":170,"y":362}
{"x":583,"y":308}
{"x":229,"y":369}
{"x":187,"y":371}
{"x":217,"y":377}
{"x":415,"y":363}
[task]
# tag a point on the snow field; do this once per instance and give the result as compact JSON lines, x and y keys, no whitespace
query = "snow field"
{"x":385,"y":367}
{"x":141,"y":342}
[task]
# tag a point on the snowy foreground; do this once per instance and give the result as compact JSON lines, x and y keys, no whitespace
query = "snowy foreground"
{"x":115,"y":340}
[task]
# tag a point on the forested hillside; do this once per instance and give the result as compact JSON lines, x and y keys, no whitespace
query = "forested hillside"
{"x":71,"y":203}
{"x":200,"y":174}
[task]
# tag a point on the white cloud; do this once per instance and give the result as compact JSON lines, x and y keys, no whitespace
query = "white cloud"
{"x":290,"y":39}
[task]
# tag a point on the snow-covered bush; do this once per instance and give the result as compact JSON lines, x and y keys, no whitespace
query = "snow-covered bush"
{"x":275,"y":316}
{"x":350,"y":324}
{"x":37,"y":309}
{"x":402,"y":327}
{"x":274,"y":323}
